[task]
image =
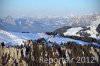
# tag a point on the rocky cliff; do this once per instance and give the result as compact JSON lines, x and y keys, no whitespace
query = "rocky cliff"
{"x":40,"y":53}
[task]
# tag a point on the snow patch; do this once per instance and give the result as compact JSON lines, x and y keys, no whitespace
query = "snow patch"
{"x":73,"y":31}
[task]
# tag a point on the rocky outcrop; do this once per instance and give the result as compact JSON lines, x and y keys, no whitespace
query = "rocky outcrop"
{"x":98,"y":29}
{"x":40,"y":53}
{"x":62,"y":30}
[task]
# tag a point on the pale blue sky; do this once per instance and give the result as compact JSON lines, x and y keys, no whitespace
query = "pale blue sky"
{"x":48,"y":7}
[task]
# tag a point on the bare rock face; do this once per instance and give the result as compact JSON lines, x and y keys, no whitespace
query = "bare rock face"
{"x":62,"y":30}
{"x":98,"y":29}
{"x":41,"y":54}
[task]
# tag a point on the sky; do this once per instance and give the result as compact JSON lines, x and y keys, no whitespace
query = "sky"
{"x":48,"y":7}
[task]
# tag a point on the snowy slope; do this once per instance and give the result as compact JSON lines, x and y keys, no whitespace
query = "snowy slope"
{"x":15,"y":38}
{"x":93,"y":32}
{"x":89,"y":31}
{"x":8,"y":37}
{"x":73,"y":31}
{"x":56,"y":39}
{"x":29,"y":36}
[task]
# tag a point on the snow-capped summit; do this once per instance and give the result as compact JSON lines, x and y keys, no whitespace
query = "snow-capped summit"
{"x":9,"y":20}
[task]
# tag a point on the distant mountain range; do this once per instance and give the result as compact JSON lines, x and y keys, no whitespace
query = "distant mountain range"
{"x":46,"y":24}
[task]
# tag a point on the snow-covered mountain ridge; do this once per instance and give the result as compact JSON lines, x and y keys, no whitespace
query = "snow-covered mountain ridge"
{"x":88,"y":31}
{"x":79,"y":31}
